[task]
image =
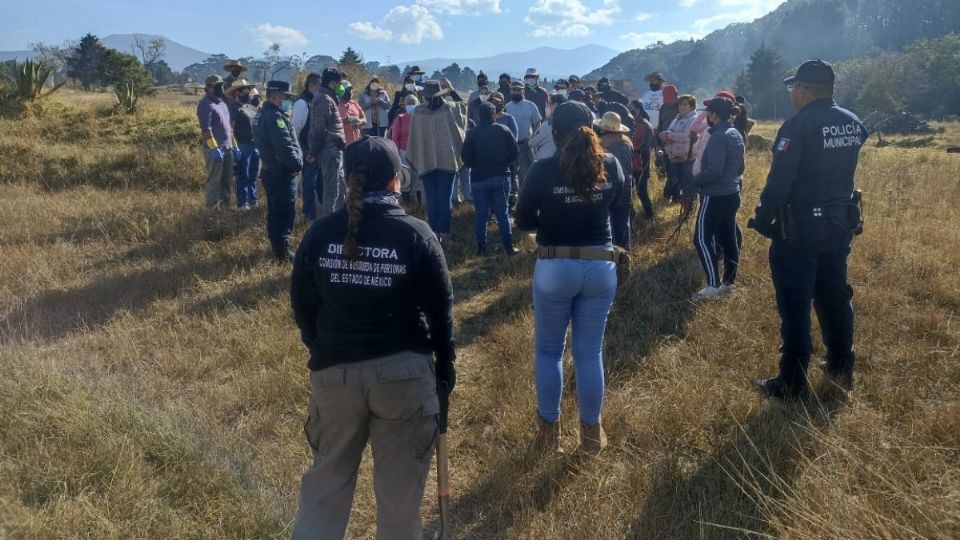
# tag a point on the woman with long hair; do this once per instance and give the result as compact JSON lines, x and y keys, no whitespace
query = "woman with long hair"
{"x":568,"y":199}
{"x":373,"y":300}
{"x":437,"y":132}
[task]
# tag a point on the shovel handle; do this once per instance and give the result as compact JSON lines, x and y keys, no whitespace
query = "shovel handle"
{"x":443,"y":486}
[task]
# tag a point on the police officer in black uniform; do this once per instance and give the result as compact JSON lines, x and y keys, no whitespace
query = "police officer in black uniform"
{"x":810,"y":209}
{"x":282,"y":162}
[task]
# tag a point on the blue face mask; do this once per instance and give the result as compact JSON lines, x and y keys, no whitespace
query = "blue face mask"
{"x":287,"y":106}
{"x":410,"y":108}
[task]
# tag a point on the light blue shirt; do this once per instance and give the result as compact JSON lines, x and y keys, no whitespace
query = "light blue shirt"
{"x":526,"y":114}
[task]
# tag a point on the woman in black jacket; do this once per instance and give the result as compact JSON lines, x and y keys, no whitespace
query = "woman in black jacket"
{"x":373,"y":300}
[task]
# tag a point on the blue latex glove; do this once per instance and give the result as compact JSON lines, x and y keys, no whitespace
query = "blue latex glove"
{"x":236,"y":154}
{"x":217,"y":154}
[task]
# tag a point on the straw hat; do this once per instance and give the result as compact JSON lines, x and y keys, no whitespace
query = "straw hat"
{"x":238,"y":85}
{"x":611,"y":122}
{"x":234,"y":64}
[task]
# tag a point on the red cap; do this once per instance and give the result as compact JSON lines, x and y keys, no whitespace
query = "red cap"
{"x":723,"y":93}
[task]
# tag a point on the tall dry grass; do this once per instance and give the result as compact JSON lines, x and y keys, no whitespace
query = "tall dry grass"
{"x":152,"y":384}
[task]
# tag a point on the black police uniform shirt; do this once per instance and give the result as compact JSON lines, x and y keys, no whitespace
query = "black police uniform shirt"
{"x":277,"y":140}
{"x":814,"y":161}
{"x":563,"y":218}
{"x":395,"y":297}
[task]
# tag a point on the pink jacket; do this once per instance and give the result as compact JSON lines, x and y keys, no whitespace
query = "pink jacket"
{"x":400,"y":130}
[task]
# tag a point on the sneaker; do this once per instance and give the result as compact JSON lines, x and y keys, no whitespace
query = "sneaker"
{"x":510,"y":251}
{"x":708,"y":293}
{"x":776,"y":388}
{"x":481,"y":250}
{"x":728,"y":288}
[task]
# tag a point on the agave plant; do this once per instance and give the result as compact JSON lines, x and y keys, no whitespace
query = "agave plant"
{"x":30,"y":78}
{"x":127,"y":97}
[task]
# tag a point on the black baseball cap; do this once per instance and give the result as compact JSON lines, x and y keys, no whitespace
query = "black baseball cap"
{"x":721,"y":105}
{"x":813,"y":72}
{"x":568,"y":117}
{"x":381,"y":159}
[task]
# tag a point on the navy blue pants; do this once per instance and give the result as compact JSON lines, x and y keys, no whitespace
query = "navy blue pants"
{"x":281,"y":189}
{"x":311,"y":174}
{"x":805,"y":275}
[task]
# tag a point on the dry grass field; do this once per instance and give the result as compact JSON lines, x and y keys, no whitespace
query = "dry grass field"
{"x":152,"y":383}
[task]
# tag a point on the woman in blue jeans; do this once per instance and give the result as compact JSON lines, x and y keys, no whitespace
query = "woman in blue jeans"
{"x":437,"y":130}
{"x":568,"y":199}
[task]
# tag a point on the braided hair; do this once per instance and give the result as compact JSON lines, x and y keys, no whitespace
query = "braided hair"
{"x":356,"y":180}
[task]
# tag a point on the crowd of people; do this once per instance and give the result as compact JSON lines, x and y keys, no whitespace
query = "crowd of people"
{"x":371,"y":290}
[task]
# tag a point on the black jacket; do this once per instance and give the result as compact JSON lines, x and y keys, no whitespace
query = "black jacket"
{"x":615,"y":96}
{"x":395,"y":297}
{"x":815,"y":158}
{"x":276,"y":139}
{"x":488,"y":150}
{"x":563,"y":218}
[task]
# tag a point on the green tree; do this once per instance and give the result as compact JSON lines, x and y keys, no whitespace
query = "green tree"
{"x":117,"y":68}
{"x":764,"y":78}
{"x":939,"y":61}
{"x":84,"y":63}
{"x":349,"y":58}
{"x":162,"y":74}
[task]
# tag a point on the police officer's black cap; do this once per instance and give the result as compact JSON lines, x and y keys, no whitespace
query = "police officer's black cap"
{"x":279,"y":86}
{"x":603,"y":80}
{"x":721,"y":105}
{"x":813,"y":72}
{"x":380,"y":159}
{"x":568,"y":117}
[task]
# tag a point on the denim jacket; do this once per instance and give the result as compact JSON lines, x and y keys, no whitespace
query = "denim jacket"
{"x":721,"y":170}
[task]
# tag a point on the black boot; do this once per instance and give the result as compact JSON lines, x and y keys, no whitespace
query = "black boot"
{"x":481,"y":250}
{"x":510,"y":251}
{"x":778,"y":388}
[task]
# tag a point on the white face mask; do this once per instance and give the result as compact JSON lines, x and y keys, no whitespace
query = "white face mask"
{"x":410,"y":87}
{"x":375,"y":86}
{"x":484,"y":98}
{"x":562,"y":93}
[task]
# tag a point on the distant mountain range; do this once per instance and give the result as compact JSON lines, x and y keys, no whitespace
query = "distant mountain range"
{"x":177,"y":56}
{"x":552,"y":63}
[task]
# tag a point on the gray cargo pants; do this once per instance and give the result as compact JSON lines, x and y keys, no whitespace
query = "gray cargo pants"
{"x":391,"y":401}
{"x":219,"y":178}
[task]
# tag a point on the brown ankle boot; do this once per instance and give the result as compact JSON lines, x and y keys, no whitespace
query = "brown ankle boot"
{"x":547,"y":438}
{"x":592,"y":439}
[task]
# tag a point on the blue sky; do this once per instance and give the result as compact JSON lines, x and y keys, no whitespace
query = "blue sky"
{"x":383,"y":30}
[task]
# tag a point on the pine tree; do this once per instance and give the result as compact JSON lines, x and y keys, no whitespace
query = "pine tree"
{"x":765,"y":79}
{"x":85,"y":62}
{"x":350,"y":57}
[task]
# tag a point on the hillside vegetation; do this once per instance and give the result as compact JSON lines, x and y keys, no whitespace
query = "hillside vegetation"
{"x":152,"y":382}
{"x":798,"y":30}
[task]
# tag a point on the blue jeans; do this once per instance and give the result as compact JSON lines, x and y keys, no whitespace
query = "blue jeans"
{"x":247,"y":169}
{"x":487,"y":194}
{"x":463,"y":191}
{"x":580,"y":292}
{"x":281,"y":188}
{"x":311,"y":173}
{"x":438,"y":187}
